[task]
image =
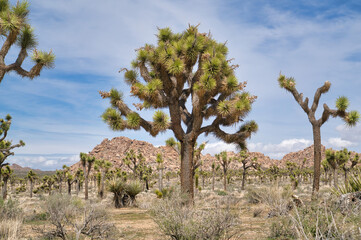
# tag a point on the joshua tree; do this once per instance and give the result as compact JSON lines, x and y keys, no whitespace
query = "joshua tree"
{"x":15,"y":29}
{"x":213,"y":174}
{"x":117,"y":187}
{"x":189,"y":66}
{"x":326,"y":168}
{"x":87,"y":163}
{"x":48,"y":182}
{"x":346,"y":166}
{"x":247,"y":163}
{"x":293,"y":172}
{"x":333,"y":159}
{"x":31,"y":176}
{"x":103,"y":166}
{"x":59,"y":177}
{"x":79,"y":177}
{"x":342,"y":103}
{"x":224,"y":161}
{"x":160,"y":162}
{"x":133,"y":162}
{"x":6,"y":173}
{"x":6,"y":146}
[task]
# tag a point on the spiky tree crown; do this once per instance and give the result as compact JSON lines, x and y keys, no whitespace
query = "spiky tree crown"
{"x":350,"y":118}
{"x":188,"y":65}
{"x":15,"y":28}
{"x":6,"y":146}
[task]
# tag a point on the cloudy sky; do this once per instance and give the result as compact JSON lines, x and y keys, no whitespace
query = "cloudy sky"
{"x":58,"y":113}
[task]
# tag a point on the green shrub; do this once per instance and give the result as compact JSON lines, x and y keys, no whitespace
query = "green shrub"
{"x":20,"y":189}
{"x":221,"y":193}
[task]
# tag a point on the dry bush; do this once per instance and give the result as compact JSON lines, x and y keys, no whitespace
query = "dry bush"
{"x":318,"y":221}
{"x":10,"y":219}
{"x":73,"y":219}
{"x":278,"y":200}
{"x":180,"y":222}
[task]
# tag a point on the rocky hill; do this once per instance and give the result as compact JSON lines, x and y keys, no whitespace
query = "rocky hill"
{"x":114,"y":150}
{"x":23,"y":171}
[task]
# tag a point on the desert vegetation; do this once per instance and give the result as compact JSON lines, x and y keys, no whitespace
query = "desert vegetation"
{"x":175,"y":191}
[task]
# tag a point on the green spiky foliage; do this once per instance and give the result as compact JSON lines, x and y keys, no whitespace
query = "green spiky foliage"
{"x":15,"y":29}
{"x":6,"y":173}
{"x":160,"y":166}
{"x":134,"y":162}
{"x":352,"y":185}
{"x":117,"y":187}
{"x":247,"y":162}
{"x":184,"y":67}
{"x":6,"y":146}
{"x":132,"y":189}
{"x":350,"y":118}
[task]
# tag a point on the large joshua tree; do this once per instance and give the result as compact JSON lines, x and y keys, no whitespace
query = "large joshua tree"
{"x":342,"y":103}
{"x":189,"y":74}
{"x":15,"y":29}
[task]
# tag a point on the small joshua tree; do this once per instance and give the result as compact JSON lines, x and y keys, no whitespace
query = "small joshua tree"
{"x":133,"y":161}
{"x":349,"y":163}
{"x":188,"y":67}
{"x":15,"y":29}
{"x":342,"y":103}
{"x":6,"y":174}
{"x":79,"y":178}
{"x":6,"y":146}
{"x":224,"y":161}
{"x":31,"y":176}
{"x":87,"y":163}
{"x":160,"y":162}
{"x":247,"y":163}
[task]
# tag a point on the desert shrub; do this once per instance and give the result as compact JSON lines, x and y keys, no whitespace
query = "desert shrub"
{"x":10,"y":219}
{"x":277,"y":200}
{"x":117,"y":187}
{"x":318,"y":221}
{"x":9,"y":209}
{"x":352,"y":185}
{"x":221,"y":193}
{"x":166,"y":192}
{"x":73,"y":219}
{"x":182,"y":222}
{"x":20,"y":189}
{"x":257,"y":212}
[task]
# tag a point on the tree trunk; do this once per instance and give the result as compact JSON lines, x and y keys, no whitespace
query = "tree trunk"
{"x":5,"y":189}
{"x":317,"y":159}
{"x":86,"y":186}
{"x":213,"y":179}
{"x":187,"y":148}
{"x":77,"y":187}
{"x":101,"y":192}
{"x":60,"y":186}
{"x":69,"y":187}
{"x":346,"y":176}
{"x":160,"y":179}
{"x":243,"y":178}
{"x":335,"y":178}
{"x":31,"y":188}
{"x":225,"y":180}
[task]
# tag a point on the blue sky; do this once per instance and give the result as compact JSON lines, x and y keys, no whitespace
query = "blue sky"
{"x":58,"y":114}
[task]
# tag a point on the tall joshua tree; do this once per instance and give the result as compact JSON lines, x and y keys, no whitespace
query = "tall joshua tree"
{"x":31,"y":176}
{"x":6,"y":146}
{"x":15,"y":29}
{"x":342,"y":103}
{"x":247,"y":163}
{"x":87,"y":163}
{"x":160,"y":162}
{"x":103,"y":166}
{"x":189,"y":66}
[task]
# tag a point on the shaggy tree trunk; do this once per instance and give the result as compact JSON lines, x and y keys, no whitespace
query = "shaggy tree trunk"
{"x":243,"y":178}
{"x":86,"y":186}
{"x":69,"y":187}
{"x":160,"y":179}
{"x":213,"y":173}
{"x":117,"y":200}
{"x":31,"y":188}
{"x":335,"y":178}
{"x":102,"y":185}
{"x":317,"y":158}
{"x":225,"y":180}
{"x":5,"y":189}
{"x":187,"y":148}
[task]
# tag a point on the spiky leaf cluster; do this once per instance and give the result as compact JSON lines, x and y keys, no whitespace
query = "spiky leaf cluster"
{"x":15,"y":29}
{"x":289,"y":83}
{"x":183,"y":66}
{"x":6,"y":146}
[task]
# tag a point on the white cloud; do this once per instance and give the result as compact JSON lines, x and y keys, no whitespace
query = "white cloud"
{"x":340,"y":143}
{"x":217,"y":147}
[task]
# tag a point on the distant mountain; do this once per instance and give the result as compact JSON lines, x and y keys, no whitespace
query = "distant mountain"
{"x":23,"y":171}
{"x":114,"y":150}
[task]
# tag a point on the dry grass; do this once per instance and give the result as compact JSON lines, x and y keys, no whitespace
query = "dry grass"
{"x":10,"y":229}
